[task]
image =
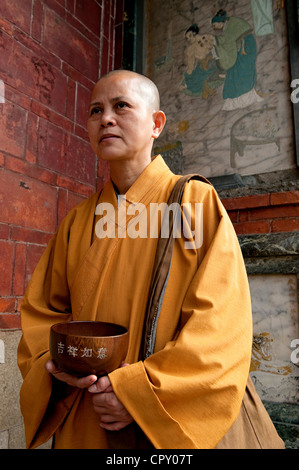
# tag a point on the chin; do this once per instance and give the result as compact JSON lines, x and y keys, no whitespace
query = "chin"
{"x":111,"y":157}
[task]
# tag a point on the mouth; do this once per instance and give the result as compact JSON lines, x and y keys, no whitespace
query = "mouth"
{"x":108,"y":138}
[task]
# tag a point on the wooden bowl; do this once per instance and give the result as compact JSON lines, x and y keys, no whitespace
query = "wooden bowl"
{"x":82,"y":348}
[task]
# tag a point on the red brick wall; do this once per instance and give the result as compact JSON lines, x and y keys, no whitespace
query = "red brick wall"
{"x":51,"y":54}
{"x":264,"y":213}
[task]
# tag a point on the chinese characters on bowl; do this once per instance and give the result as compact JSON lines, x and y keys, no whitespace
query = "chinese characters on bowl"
{"x":88,"y":347}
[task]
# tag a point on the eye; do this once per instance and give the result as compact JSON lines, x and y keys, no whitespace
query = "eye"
{"x":95,"y":111}
{"x":122,"y":105}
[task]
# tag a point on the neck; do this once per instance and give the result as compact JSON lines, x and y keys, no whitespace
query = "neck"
{"x":124,"y":174}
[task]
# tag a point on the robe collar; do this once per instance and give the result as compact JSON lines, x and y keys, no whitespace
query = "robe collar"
{"x":149,"y":181}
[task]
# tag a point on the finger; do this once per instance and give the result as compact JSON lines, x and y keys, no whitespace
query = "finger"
{"x":84,"y":382}
{"x":107,"y":401}
{"x":80,"y":382}
{"x":106,"y":418}
{"x":103,"y":384}
{"x":116,"y":425}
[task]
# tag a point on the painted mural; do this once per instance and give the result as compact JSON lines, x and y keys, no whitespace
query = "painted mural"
{"x":276,"y":324}
{"x":222,"y":71}
{"x":228,"y":60}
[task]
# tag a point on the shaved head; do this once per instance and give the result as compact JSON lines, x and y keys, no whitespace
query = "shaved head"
{"x":144,"y":86}
{"x":123,"y":120}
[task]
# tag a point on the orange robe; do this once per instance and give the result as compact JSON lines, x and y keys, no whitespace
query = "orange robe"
{"x":189,"y":392}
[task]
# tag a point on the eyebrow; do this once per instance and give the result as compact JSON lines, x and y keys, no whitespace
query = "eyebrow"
{"x":114,"y":100}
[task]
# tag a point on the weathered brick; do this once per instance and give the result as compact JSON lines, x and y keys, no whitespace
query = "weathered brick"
{"x":243,"y":228}
{"x":25,"y":70}
{"x":19,"y":269}
{"x":81,"y":132}
{"x":107,"y":19}
{"x":13,"y":129}
{"x":4,"y":231}
{"x":271,"y":212}
{"x":70,"y":45}
{"x":16,"y":66}
{"x":285,"y":225}
{"x":111,"y":61}
{"x":15,"y":164}
{"x":89,"y":13}
{"x":50,"y":83}
{"x":22,"y":234}
{"x":81,"y":28}
{"x":111,"y":36}
{"x":79,"y":188}
{"x":51,"y":116}
{"x":27,"y":202}
{"x":66,"y":154}
{"x":76,"y":75}
{"x":234,"y":216}
{"x":62,"y":2}
{"x":71,"y":99}
{"x":70,"y":5}
{"x":119,"y":12}
{"x":288,"y":197}
{"x":57,"y":6}
{"x":103,"y":174}
{"x":6,"y":26}
{"x":10,"y":321}
{"x":17,"y":98}
{"x":34,"y":253}
{"x":83,"y":100}
{"x":105,"y":56}
{"x":37,"y":49}
{"x":7,"y":304}
{"x":257,"y":200}
{"x":25,"y":168}
{"x":62,"y":204}
{"x":31,"y":143}
{"x":18,"y":13}
{"x":6,"y":271}
{"x":243,"y":215}
{"x":67,"y":200}
{"x":19,"y":301}
{"x":118,"y":45}
{"x":52,"y":153}
{"x":37,"y":20}
{"x":73,"y":200}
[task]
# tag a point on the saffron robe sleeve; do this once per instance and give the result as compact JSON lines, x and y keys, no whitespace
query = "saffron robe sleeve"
{"x":47,"y":301}
{"x":189,"y":392}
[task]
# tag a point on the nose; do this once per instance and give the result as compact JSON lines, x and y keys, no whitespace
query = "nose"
{"x":107,"y":119}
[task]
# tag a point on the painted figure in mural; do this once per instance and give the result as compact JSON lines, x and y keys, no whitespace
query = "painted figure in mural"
{"x":236,"y":54}
{"x":201,"y":77}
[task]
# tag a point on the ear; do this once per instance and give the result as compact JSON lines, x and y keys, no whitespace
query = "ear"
{"x":159,"y":120}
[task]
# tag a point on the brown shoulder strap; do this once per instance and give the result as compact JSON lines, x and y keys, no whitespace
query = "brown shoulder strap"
{"x":161,"y":268}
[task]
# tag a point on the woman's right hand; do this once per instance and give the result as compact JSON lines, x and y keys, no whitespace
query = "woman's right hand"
{"x":80,"y":382}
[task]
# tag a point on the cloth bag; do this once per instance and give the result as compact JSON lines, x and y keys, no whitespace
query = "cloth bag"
{"x":253,"y":428}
